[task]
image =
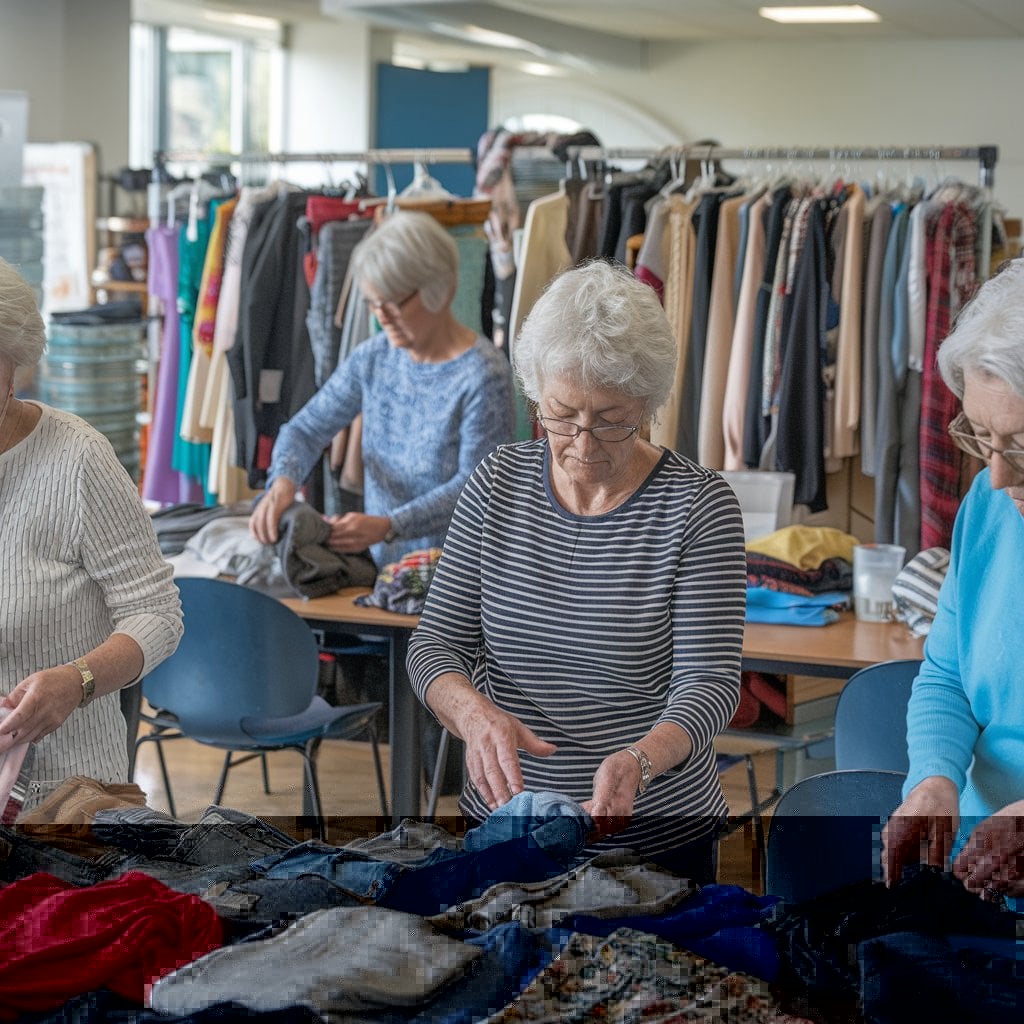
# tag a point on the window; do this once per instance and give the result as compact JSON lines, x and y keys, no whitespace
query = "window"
{"x":198,"y":91}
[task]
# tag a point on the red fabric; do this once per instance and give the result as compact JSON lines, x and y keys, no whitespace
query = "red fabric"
{"x":952,"y":277}
{"x":58,"y":940}
{"x":748,"y":711}
{"x":319,"y":211}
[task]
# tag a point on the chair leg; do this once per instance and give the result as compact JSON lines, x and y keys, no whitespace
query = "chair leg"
{"x":219,"y":795}
{"x":379,"y":771}
{"x":439,"y":766}
{"x":313,"y":785}
{"x":154,"y":738}
{"x":758,"y":820}
{"x":266,"y":774}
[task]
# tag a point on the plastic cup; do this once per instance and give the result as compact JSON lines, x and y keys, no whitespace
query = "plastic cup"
{"x":875,"y":568}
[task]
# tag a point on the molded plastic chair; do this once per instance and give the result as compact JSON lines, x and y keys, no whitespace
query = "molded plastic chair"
{"x":871,"y":717}
{"x":825,"y":832}
{"x":244,"y":679}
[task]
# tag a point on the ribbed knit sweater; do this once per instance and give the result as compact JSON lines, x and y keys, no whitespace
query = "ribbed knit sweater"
{"x":78,"y":561}
{"x":593,"y":629}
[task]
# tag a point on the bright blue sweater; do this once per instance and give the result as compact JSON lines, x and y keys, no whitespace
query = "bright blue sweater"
{"x":968,"y":701}
{"x":425,"y":427}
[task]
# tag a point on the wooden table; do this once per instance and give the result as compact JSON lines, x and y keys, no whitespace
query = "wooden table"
{"x":835,"y":651}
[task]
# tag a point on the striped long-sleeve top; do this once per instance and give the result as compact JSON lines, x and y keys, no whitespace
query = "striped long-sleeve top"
{"x":593,"y":629}
{"x":78,"y":561}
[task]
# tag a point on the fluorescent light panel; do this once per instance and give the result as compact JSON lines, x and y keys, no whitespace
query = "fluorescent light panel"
{"x":846,"y":14}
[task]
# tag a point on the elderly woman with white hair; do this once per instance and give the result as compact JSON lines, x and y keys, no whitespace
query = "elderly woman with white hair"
{"x":435,"y":398}
{"x":583,"y":632}
{"x":964,"y":793}
{"x":89,"y":605}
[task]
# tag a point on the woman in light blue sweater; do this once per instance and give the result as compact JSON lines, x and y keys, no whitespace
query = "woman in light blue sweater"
{"x":435,"y":398}
{"x":964,"y":794}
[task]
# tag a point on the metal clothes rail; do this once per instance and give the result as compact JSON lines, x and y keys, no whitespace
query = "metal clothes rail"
{"x":985,"y":156}
{"x":373,"y":156}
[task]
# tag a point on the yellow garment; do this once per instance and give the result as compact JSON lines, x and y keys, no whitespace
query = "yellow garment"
{"x":806,"y":547}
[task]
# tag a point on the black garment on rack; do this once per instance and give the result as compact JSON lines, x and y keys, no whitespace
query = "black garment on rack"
{"x":272,"y":354}
{"x":755,"y":425}
{"x":800,"y":436}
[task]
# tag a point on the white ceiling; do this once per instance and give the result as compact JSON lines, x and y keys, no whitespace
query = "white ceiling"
{"x":621,"y":32}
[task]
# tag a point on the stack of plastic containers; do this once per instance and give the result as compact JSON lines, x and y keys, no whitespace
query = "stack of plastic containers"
{"x":94,"y":365}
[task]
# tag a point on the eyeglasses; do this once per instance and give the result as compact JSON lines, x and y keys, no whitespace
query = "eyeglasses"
{"x":962,"y":432}
{"x":390,"y":307}
{"x":563,"y":428}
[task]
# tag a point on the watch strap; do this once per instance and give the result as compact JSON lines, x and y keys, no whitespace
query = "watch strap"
{"x":88,"y":681}
{"x":646,"y":772}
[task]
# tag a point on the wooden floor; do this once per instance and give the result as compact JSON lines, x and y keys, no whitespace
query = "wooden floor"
{"x":349,"y":792}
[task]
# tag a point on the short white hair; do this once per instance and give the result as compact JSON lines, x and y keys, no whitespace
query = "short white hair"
{"x":22,"y":335}
{"x":988,"y":336}
{"x":408,"y":253}
{"x":598,"y":325}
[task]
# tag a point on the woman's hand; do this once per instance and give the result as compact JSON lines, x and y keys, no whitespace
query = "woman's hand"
{"x":355,"y":531}
{"x":40,"y":703}
{"x":993,"y":856}
{"x":493,"y":740}
{"x":615,"y":783}
{"x":922,"y":828}
{"x":265,"y":520}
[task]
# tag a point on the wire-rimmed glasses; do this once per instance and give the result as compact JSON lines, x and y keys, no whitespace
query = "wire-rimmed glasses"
{"x":391,"y":308}
{"x":961,"y":431}
{"x":614,"y":433}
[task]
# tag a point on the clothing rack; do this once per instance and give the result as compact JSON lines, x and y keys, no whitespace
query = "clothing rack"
{"x":454,"y":155}
{"x":986,"y":156}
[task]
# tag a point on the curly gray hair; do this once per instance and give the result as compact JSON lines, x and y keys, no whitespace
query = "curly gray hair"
{"x":600,"y":326}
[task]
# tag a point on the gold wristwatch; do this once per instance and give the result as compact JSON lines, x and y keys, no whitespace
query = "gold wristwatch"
{"x":88,"y":682}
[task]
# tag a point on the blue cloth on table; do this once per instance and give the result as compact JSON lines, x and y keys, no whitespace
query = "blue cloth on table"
{"x":784,"y":609}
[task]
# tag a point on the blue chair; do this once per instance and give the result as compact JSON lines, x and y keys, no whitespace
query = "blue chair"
{"x":825,"y":832}
{"x":871,"y":717}
{"x":244,"y":679}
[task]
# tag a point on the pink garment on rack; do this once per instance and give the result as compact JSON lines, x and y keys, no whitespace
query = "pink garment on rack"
{"x":161,"y":482}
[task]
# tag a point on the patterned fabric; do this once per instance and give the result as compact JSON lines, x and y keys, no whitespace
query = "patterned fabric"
{"x":634,"y":976}
{"x":915,"y":591}
{"x":402,"y":586}
{"x":951,"y":281}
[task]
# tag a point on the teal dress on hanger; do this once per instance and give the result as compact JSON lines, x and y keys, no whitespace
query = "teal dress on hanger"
{"x":190,"y":457}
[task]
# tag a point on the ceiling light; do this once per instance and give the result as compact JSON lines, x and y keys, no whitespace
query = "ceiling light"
{"x":253,"y":21}
{"x":844,"y":15}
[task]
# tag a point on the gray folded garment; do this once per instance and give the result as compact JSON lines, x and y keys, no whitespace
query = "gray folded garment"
{"x":338,"y":960}
{"x":310,"y":567}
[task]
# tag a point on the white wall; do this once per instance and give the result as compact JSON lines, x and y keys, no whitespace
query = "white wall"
{"x":823,"y":93}
{"x":71,"y":57}
{"x":327,"y":92}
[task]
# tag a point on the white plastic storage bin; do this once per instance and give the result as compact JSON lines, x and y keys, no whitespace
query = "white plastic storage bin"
{"x":766,"y":499}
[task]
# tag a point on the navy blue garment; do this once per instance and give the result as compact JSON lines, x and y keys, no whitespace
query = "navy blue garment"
{"x":913,"y":976}
{"x":432,"y":889}
{"x":23,"y":856}
{"x":513,"y":956}
{"x":818,"y":940}
{"x":720,"y":922}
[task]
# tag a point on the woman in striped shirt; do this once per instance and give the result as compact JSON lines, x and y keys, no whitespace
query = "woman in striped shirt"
{"x":584,"y":628}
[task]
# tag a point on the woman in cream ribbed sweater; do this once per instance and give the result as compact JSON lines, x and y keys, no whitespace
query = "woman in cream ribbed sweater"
{"x":88,"y":604}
